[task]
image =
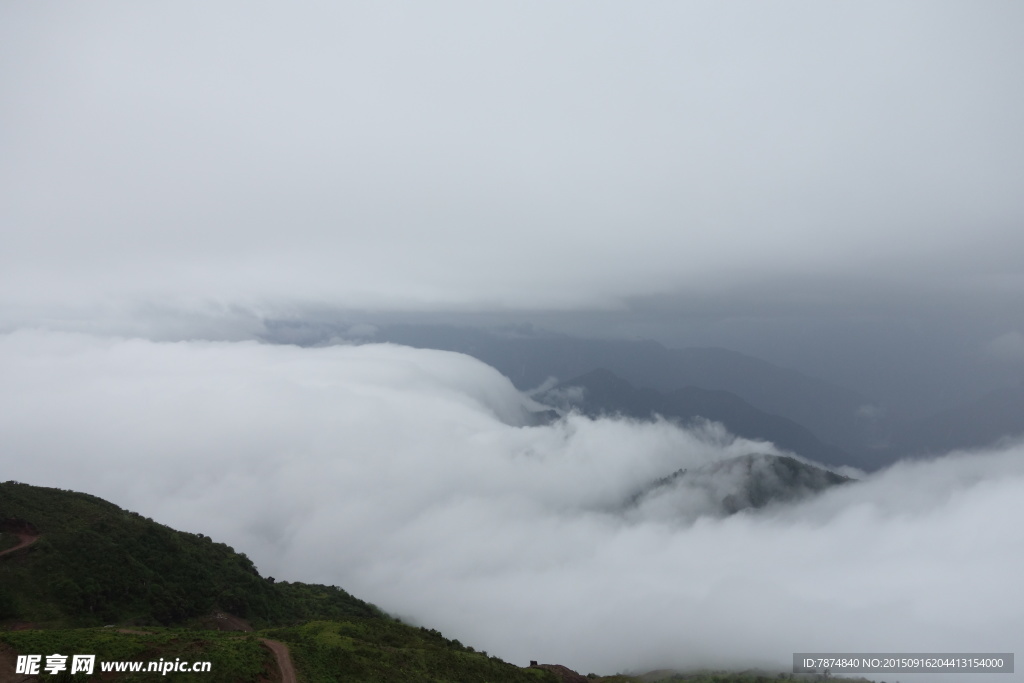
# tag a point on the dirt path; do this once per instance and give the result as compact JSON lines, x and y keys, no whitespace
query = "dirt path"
{"x":8,"y":660}
{"x":284,"y":660}
{"x":26,"y":540}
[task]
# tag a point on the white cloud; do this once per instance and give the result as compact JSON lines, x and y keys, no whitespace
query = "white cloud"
{"x":409,"y":478}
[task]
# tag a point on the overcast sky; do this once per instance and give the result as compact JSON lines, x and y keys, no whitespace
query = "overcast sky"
{"x":525,"y":155}
{"x":801,"y":181}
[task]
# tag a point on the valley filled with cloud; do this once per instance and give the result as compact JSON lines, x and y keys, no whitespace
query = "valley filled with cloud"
{"x":419,"y":480}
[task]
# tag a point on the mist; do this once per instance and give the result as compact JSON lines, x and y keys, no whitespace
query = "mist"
{"x":832,"y":187}
{"x":418,"y":480}
{"x":551,"y":158}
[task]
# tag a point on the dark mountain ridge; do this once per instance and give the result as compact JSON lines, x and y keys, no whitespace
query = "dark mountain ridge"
{"x":605,"y":393}
{"x":748,"y":482}
{"x":997,"y":415}
{"x":528,"y":357}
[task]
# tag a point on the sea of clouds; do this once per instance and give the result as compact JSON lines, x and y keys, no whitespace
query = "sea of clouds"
{"x":422,"y":481}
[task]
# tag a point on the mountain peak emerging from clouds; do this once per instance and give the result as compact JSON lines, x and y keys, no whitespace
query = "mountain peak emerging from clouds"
{"x":762,"y":479}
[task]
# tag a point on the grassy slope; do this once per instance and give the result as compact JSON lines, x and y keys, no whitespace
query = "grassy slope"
{"x":382,"y":650}
{"x":96,"y":564}
{"x":323,"y":652}
{"x":7,"y":541}
{"x":234,"y":657}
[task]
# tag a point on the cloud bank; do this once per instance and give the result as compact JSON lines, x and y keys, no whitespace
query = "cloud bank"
{"x":415,"y":480}
{"x":460,"y":156}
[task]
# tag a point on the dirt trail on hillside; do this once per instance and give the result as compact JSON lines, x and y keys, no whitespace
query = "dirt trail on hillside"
{"x":284,"y":660}
{"x":280,"y":650}
{"x":26,"y":540}
{"x":8,"y":659}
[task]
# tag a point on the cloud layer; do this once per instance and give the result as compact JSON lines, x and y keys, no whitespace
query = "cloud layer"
{"x":413,"y":479}
{"x":461,"y":156}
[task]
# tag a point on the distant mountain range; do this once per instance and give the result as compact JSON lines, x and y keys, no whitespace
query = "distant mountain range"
{"x":804,"y":414}
{"x":814,"y":418}
{"x":602,"y":392}
{"x":999,"y":414}
{"x":838,"y":421}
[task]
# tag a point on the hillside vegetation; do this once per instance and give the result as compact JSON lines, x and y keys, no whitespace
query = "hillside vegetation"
{"x":383,"y":650}
{"x":233,"y":657}
{"x":97,"y":564}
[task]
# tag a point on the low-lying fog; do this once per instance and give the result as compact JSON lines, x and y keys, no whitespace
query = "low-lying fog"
{"x":412,"y":479}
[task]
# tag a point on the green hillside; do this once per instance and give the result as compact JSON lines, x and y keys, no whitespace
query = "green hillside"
{"x":96,"y":564}
{"x":233,"y":657}
{"x":322,"y":652}
{"x":382,"y":650}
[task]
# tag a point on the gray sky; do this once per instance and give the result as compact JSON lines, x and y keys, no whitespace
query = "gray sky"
{"x":521,"y":156}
